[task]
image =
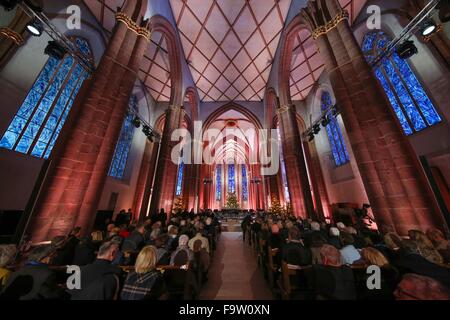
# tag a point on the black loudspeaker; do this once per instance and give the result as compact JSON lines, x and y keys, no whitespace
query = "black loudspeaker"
{"x":9,"y":221}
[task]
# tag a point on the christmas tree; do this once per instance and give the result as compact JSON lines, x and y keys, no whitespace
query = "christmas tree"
{"x":178,"y":205}
{"x":232,"y":201}
{"x":276,"y":207}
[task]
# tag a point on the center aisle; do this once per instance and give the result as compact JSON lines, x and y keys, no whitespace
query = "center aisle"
{"x":234,"y":273}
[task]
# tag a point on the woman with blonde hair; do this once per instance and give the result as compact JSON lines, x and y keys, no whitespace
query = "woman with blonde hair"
{"x":374,"y":257}
{"x":145,"y":282}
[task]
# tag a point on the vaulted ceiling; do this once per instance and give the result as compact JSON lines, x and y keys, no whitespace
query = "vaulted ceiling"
{"x":229,"y":46}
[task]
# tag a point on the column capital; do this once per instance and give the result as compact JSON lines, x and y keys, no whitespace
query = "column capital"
{"x":11,"y":34}
{"x":283,"y":109}
{"x":175,"y":108}
{"x":133,"y":26}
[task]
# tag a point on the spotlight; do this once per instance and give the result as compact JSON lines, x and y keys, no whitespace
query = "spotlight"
{"x":444,"y":10}
{"x":316,"y":129}
{"x":146,"y":130}
{"x":55,"y":50}
{"x":35,"y":27}
{"x":428,"y":27}
{"x":407,"y":49}
{"x":9,"y":4}
{"x":136,"y":122}
{"x":326,"y":121}
{"x":311,"y":136}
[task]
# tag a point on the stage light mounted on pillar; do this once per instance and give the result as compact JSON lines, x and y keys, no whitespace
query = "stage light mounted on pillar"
{"x":55,"y":50}
{"x":428,"y":27}
{"x":136,"y":122}
{"x":35,"y":27}
{"x":406,"y":49}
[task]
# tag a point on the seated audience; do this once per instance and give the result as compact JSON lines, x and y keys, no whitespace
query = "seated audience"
{"x":182,"y":255}
{"x":145,"y":282}
{"x":294,"y":252}
{"x":334,"y":238}
{"x":441,"y":244}
{"x":135,"y":240}
{"x":199,"y":236}
{"x":35,"y":280}
{"x":425,"y":246}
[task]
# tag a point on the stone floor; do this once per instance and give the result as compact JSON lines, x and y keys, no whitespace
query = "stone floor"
{"x":234,"y":273}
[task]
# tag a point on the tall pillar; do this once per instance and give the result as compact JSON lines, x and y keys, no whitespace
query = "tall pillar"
{"x":80,"y":166}
{"x":166,"y":172}
{"x":296,"y":172}
{"x":393,"y":178}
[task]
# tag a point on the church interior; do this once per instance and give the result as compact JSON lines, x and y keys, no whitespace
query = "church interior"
{"x":225,"y":149}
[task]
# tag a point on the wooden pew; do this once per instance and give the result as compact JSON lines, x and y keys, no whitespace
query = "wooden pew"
{"x":285,"y":285}
{"x":272,"y":267}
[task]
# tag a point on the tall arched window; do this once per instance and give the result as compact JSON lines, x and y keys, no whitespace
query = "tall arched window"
{"x":244,"y":183}
{"x":409,"y":100}
{"x":218,"y":182}
{"x":42,"y":115}
{"x":123,"y":145}
{"x":340,"y":154}
{"x":283,"y":169}
{"x":180,"y":174}
{"x":231,"y":179}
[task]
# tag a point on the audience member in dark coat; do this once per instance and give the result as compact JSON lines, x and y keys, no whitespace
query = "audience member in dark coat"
{"x":100,"y":279}
{"x":85,"y":252}
{"x":332,"y":280}
{"x":135,"y":240}
{"x":410,"y":261}
{"x":294,"y":252}
{"x":35,"y":281}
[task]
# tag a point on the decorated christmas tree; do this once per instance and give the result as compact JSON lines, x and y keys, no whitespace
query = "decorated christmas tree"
{"x":178,"y":204}
{"x":276,"y":207}
{"x":288,"y":210}
{"x":232,"y":201}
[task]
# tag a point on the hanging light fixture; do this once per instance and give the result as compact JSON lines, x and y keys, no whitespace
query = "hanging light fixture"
{"x":55,"y":50}
{"x":136,"y":122}
{"x":316,"y":129}
{"x":326,"y":121}
{"x":406,"y":49}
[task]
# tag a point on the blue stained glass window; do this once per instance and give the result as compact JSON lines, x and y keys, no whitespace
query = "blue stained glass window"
{"x":231,"y":179}
{"x":338,"y":148}
{"x":179,"y":188}
{"x":283,"y":169}
{"x":123,"y":146}
{"x":244,"y":183}
{"x":218,"y":182}
{"x":41,"y":116}
{"x":410,"y":102}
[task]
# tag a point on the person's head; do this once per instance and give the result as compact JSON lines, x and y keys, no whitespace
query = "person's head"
{"x":437,"y":237}
{"x":373,"y":256}
{"x":7,"y":254}
{"x":340,"y":226}
{"x":110,"y":227}
{"x":417,"y":287}
{"x":330,"y":256}
{"x":317,"y":240}
{"x":146,"y":260}
{"x":172,"y":231}
{"x":334,"y":232}
{"x":275,"y":229}
{"x":140,"y":228}
{"x":183,"y":240}
{"x":294,"y":233}
{"x":351,"y":230}
{"x":97,"y":236}
{"x":347,"y":239}
{"x":393,"y":241}
{"x":289,"y":224}
{"x":315,"y":226}
{"x":208,"y":221}
{"x":108,"y":250}
{"x":409,"y":247}
{"x":41,"y":254}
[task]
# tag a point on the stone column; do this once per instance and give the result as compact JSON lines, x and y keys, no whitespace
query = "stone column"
{"x":296,"y":172}
{"x":393,"y":178}
{"x":166,"y":172}
{"x":72,"y":190}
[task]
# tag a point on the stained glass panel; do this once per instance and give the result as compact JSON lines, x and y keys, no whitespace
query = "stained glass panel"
{"x":179,"y":188}
{"x":39,"y":121}
{"x":337,"y":144}
{"x":218,"y":182}
{"x":410,"y":102}
{"x":244,"y":183}
{"x":124,"y":143}
{"x":231,"y":179}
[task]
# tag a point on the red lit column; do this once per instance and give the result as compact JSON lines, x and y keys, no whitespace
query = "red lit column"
{"x":80,"y":163}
